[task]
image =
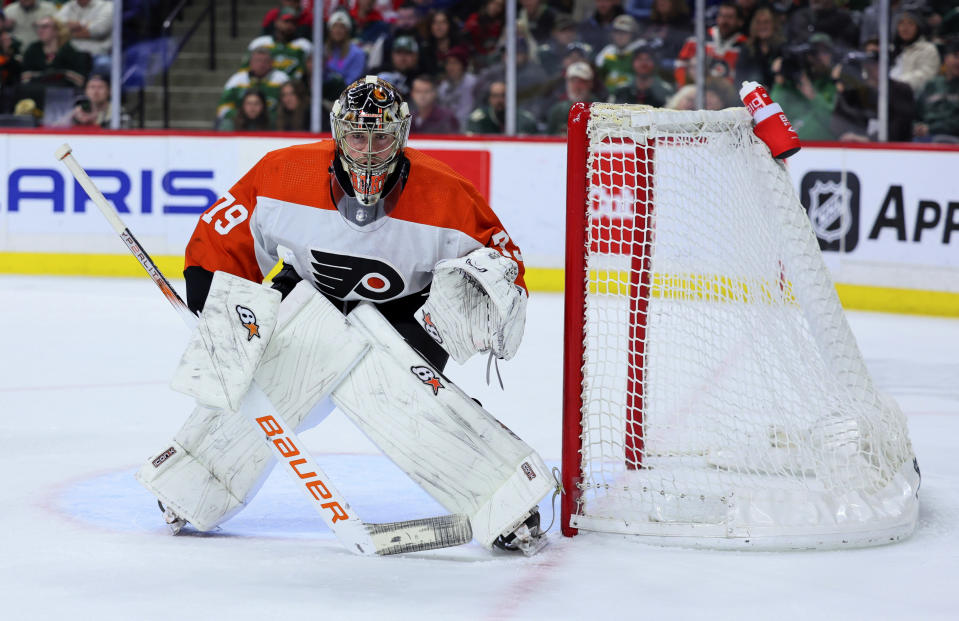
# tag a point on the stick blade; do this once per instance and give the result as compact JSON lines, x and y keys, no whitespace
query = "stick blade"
{"x":444,"y":531}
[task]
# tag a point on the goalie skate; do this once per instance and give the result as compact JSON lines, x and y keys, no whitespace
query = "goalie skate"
{"x":528,"y":538}
{"x":173,"y":521}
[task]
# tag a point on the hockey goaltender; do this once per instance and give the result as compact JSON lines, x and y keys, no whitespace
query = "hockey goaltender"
{"x":392,"y":263}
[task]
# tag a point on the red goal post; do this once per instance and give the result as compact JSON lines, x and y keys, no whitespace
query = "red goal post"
{"x":713,"y":392}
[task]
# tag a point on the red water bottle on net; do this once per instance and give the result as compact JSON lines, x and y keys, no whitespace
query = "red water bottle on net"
{"x":771,"y":124}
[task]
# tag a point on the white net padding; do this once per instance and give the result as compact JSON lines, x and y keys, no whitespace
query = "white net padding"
{"x":725,"y":401}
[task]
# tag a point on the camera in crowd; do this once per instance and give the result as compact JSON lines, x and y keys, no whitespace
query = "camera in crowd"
{"x":853,"y":71}
{"x":84,"y":103}
{"x":814,"y":58}
{"x":795,"y":61}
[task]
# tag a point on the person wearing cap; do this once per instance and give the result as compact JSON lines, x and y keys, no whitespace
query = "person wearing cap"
{"x":259,"y":75}
{"x":596,"y":30}
{"x":552,"y":50}
{"x":404,"y":64}
{"x":491,"y":118}
{"x":937,"y":107}
{"x":724,"y":42}
{"x":288,"y":51}
{"x":304,"y":18}
{"x":579,"y":88}
{"x":614,"y":62}
{"x":456,"y":90}
{"x":531,"y":80}
{"x":577,"y":51}
{"x":344,"y":59}
{"x":646,"y":87}
{"x":92,"y":109}
{"x":916,"y":60}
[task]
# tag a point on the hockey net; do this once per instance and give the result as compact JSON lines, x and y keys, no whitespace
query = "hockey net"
{"x":714,"y":393}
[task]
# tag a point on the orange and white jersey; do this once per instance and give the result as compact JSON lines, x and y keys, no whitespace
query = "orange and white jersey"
{"x":283,"y":207}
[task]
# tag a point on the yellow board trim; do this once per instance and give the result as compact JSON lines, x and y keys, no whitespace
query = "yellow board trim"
{"x":121,"y":265}
{"x":853,"y":297}
{"x":111,"y":265}
{"x":907,"y":301}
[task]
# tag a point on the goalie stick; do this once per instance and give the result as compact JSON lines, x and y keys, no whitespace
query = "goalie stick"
{"x":358,"y":536}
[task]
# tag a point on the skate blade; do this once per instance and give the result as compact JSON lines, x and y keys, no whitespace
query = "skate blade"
{"x":173,"y":521}
{"x":532,"y":546}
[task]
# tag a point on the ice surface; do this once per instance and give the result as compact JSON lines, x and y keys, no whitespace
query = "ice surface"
{"x":84,"y":400}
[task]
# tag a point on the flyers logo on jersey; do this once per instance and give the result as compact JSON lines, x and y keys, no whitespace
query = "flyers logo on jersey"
{"x":428,"y":377}
{"x":248,"y":321}
{"x":341,"y":275}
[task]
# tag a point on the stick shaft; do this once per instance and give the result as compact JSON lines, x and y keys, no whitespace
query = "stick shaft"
{"x":65,"y":155}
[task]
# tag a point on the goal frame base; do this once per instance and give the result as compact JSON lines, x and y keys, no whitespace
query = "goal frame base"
{"x":707,"y":541}
{"x":900,"y":494}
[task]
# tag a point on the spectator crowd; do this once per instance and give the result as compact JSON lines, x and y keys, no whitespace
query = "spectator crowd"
{"x":55,"y":61}
{"x":818,"y":58}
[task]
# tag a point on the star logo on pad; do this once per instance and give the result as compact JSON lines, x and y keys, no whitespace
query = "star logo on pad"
{"x":248,"y":321}
{"x":428,"y":377}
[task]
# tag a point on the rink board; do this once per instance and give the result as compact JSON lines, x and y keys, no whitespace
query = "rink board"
{"x":887,"y":217}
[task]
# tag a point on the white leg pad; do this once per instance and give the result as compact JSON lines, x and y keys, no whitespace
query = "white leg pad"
{"x":210,"y":469}
{"x":218,"y":461}
{"x":457,"y":451}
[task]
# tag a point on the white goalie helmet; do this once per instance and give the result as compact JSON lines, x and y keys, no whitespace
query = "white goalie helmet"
{"x":370,"y":123}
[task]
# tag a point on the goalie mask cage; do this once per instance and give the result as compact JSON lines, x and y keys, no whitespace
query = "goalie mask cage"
{"x":714,"y":395}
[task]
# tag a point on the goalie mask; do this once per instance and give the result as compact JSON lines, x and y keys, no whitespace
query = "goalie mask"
{"x":370,"y":123}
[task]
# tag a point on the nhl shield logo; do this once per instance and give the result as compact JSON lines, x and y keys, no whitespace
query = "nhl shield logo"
{"x":829,"y":210}
{"x":832,"y":202}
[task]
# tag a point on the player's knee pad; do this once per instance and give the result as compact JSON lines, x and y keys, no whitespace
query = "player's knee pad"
{"x":457,"y":451}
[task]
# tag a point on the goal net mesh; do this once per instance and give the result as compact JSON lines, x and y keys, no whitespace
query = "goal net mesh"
{"x":724,"y":398}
